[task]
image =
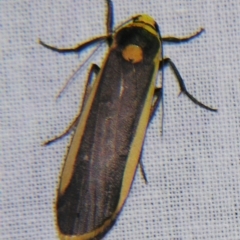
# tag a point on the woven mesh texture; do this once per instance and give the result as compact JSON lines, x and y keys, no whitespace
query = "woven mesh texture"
{"x":192,"y":168}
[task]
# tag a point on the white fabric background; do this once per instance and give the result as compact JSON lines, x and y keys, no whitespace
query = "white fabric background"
{"x":193,"y":169}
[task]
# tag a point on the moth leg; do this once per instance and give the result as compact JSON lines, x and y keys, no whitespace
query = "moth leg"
{"x":183,"y":88}
{"x":69,"y":129}
{"x":76,"y":48}
{"x":93,"y":70}
{"x":142,"y":168}
{"x":109,"y":20}
{"x":182,"y":39}
{"x":157,"y":98}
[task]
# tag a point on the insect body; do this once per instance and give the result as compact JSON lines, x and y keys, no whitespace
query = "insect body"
{"x":106,"y":147}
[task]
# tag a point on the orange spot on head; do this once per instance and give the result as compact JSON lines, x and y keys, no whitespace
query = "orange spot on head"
{"x":132,"y":53}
